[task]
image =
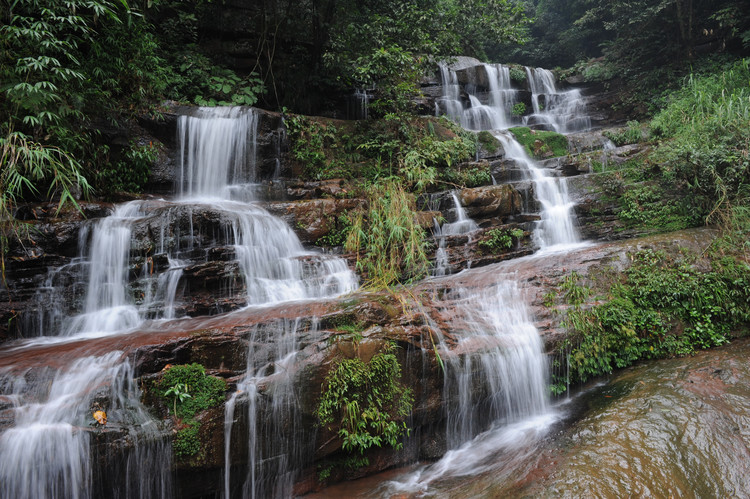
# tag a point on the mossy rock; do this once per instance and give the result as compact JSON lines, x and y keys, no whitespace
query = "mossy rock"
{"x":201,"y":392}
{"x":541,"y":144}
{"x":489,"y":142}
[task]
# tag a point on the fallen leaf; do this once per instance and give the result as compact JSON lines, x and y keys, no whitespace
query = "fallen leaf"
{"x":101,"y":417}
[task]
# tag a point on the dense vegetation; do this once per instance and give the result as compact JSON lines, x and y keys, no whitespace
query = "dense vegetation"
{"x":662,"y":306}
{"x":697,"y":172}
{"x":73,"y":70}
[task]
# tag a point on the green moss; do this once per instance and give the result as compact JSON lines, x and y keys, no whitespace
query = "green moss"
{"x":541,"y":144}
{"x":203,"y":392}
{"x":488,"y":141}
{"x":187,"y":442}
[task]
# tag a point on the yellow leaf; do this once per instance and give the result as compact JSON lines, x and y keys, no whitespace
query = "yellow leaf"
{"x":101,"y":417}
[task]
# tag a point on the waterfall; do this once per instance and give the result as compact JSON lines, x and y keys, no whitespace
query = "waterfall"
{"x":48,"y":452}
{"x":275,"y":266}
{"x":107,"y":308}
{"x":217,"y":165}
{"x":462,"y":225}
{"x":495,"y":382}
{"x":478,"y":116}
{"x":561,"y":111}
{"x":497,"y":373}
{"x":217,"y":151}
{"x":278,"y":445}
{"x":358,"y":104}
{"x":557,"y":225}
{"x":129,"y":269}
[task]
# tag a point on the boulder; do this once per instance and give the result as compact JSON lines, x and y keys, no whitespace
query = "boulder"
{"x":498,"y":201}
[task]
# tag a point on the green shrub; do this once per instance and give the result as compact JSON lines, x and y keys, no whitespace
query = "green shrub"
{"x":519,"y":109}
{"x":389,"y":244}
{"x":130,"y":174}
{"x":366,"y":402}
{"x":498,"y":240}
{"x":646,"y":206}
{"x":706,"y":139}
{"x":632,"y":134}
{"x":471,"y":175}
{"x":518,"y":75}
{"x":661,"y":309}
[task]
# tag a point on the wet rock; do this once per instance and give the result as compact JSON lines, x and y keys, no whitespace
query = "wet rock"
{"x":315,"y":218}
{"x":335,"y":188}
{"x":500,"y":201}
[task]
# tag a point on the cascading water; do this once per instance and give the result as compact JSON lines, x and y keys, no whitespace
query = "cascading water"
{"x":217,"y":151}
{"x":48,"y":450}
{"x":462,"y":225}
{"x":497,"y":373}
{"x":478,"y":116}
{"x":275,"y":266}
{"x":562,"y":111}
{"x":495,"y":369}
{"x":557,"y":226}
{"x":126,"y":278}
{"x":217,"y":159}
{"x":277,"y":447}
{"x":495,"y":382}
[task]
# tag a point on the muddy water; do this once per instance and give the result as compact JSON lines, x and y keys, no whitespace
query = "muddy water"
{"x":672,"y":428}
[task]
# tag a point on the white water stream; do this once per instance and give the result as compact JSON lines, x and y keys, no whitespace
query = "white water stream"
{"x":50,"y":452}
{"x":495,"y":369}
{"x":462,"y":225}
{"x":47,"y":451}
{"x":278,"y":446}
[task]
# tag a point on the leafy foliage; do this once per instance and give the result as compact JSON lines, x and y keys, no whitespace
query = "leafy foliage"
{"x":519,"y":109}
{"x":389,"y":243}
{"x":662,"y":308}
{"x":468,"y":175}
{"x":498,"y":240}
{"x":129,"y":174}
{"x":706,"y":139}
{"x":632,"y":134}
{"x":366,"y":402}
{"x":414,"y":149}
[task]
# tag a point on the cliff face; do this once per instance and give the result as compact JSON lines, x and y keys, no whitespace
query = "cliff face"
{"x":279,"y":410}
